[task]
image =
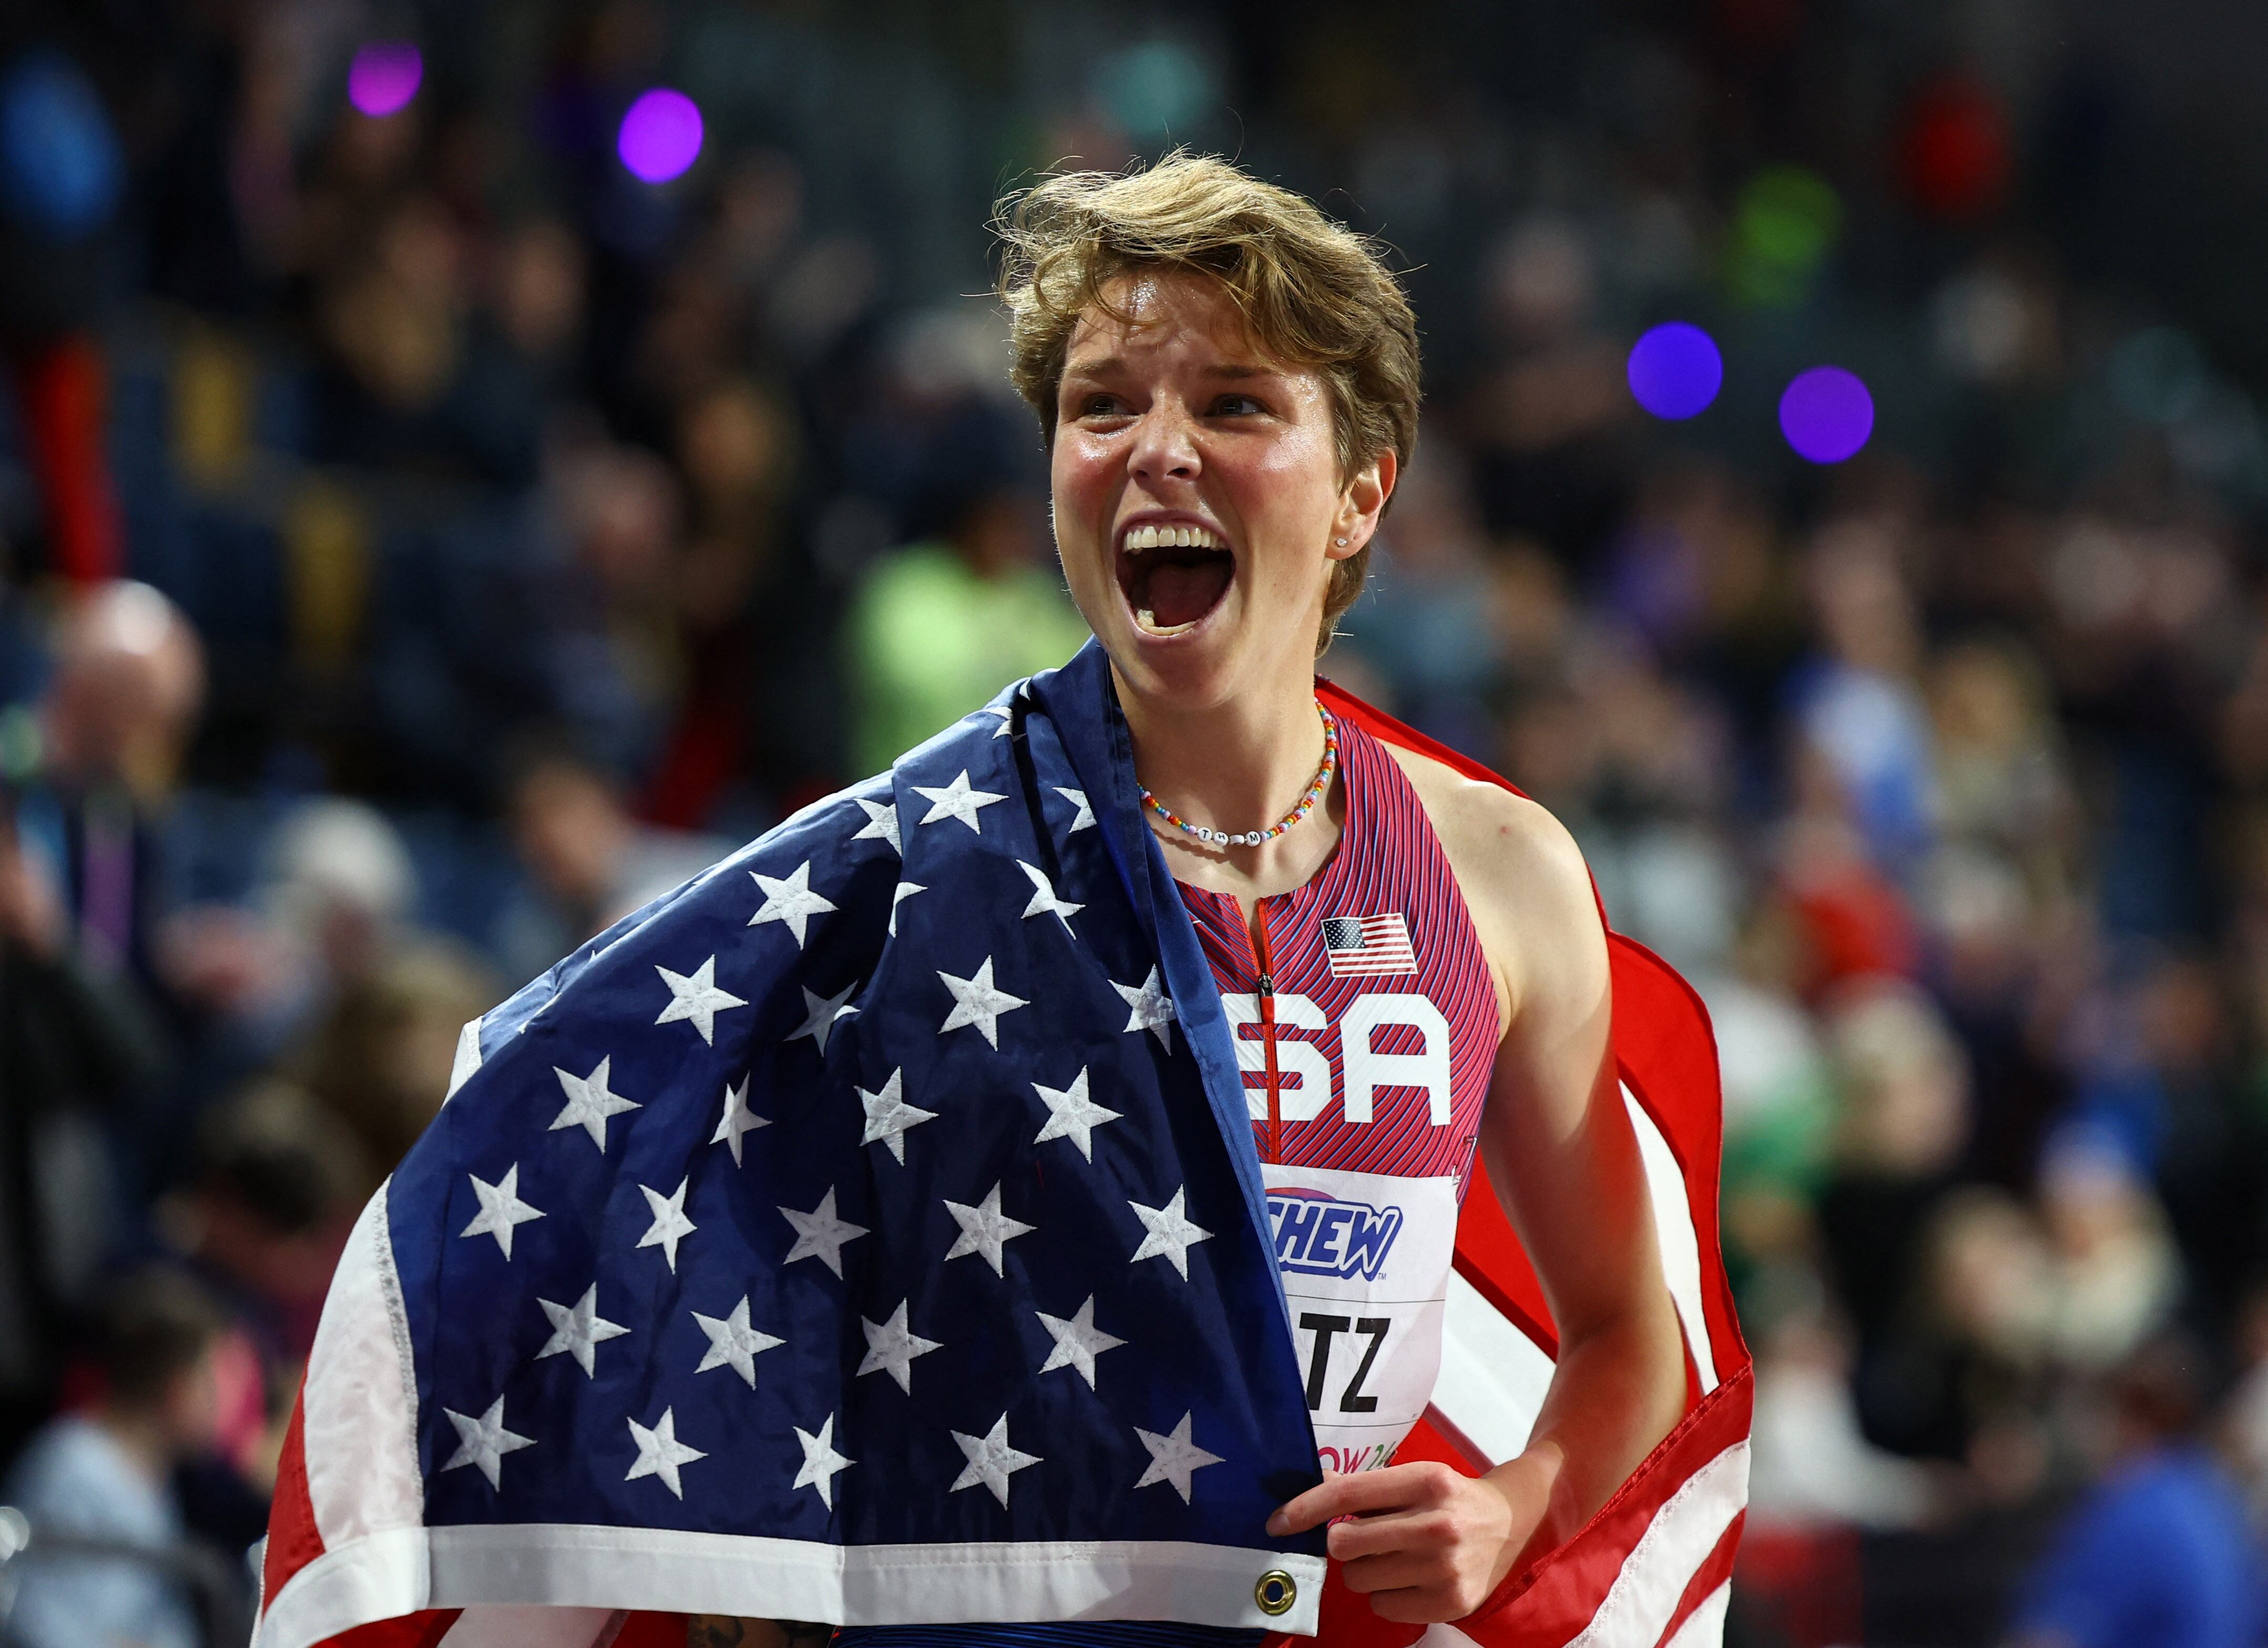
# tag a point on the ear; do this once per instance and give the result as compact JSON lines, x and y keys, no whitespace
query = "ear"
{"x":1360,"y":505}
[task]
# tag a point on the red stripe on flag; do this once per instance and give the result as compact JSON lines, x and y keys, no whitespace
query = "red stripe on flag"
{"x":1711,"y":1574}
{"x":293,"y":1538}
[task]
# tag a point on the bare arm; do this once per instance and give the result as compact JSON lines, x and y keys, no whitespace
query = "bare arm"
{"x":1425,"y":1542}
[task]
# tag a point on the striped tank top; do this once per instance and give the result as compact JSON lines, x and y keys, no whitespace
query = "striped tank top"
{"x":1375,"y":1006}
{"x":1384,"y":1014}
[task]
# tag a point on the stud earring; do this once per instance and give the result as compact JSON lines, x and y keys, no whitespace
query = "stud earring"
{"x":1341,"y":542}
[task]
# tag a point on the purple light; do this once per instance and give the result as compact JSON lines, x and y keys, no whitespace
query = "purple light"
{"x":1675,"y":371}
{"x":1826,"y":414}
{"x":385,"y":76}
{"x":660,"y":135}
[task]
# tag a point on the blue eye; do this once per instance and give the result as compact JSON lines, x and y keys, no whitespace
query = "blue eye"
{"x":1235,"y":406}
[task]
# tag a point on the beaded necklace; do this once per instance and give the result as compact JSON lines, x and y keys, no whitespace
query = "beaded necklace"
{"x":1253,"y":838}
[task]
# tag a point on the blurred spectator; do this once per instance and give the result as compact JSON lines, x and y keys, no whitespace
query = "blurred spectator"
{"x":588,"y":861}
{"x":1858,"y":708}
{"x":103,"y":1476}
{"x":75,"y":1048}
{"x":380,"y":1059}
{"x":1426,"y":624}
{"x":1816,"y":1482}
{"x":940,"y":625}
{"x":276,"y":1184}
{"x":2115,"y":1276}
{"x":2160,"y":1553}
{"x":120,"y":704}
{"x":1811,"y":1467}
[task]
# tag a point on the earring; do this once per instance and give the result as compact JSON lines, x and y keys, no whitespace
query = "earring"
{"x":1341,"y":542}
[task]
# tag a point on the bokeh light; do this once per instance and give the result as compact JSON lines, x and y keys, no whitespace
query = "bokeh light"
{"x":385,"y":76}
{"x":1675,"y":371}
{"x":660,"y":135}
{"x":1826,"y":414}
{"x":1786,"y":221}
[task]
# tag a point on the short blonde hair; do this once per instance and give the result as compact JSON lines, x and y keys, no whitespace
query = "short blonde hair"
{"x":1313,"y":294}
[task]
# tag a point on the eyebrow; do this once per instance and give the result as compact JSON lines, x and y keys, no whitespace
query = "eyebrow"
{"x":1228,"y":371}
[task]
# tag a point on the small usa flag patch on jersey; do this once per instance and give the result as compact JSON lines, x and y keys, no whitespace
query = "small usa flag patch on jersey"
{"x":1368,"y":947}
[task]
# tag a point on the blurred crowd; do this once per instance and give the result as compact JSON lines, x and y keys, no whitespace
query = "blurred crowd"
{"x":424,"y":542}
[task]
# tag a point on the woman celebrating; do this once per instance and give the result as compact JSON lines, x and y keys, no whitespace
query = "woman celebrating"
{"x":1024,"y":1187}
{"x":1229,"y":385}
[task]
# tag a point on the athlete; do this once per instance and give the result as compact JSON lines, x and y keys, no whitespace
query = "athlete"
{"x":1228,"y":385}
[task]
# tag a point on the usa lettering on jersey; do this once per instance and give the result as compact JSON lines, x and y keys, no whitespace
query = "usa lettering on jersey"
{"x":1308,"y":1080}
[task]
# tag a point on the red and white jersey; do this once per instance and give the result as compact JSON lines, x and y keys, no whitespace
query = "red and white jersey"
{"x":1385,"y":1029}
{"x":1386,"y":1015}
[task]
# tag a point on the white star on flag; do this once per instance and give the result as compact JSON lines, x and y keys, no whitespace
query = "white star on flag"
{"x":819,"y":1235}
{"x":821,"y":1012}
{"x":882,"y":823}
{"x":892,"y":1346}
{"x":1071,"y":1115}
{"x":1154,"y":1009}
{"x":1083,"y":818}
{"x":1173,"y":1458}
{"x":1007,"y":714}
{"x":985,"y":1229}
{"x":1171,"y":1233}
{"x":789,"y":900}
{"x":733,"y":1344}
{"x":905,"y":891}
{"x":589,"y":1104}
{"x":956,"y":800}
{"x":888,"y":1115}
{"x":992,"y":1459}
{"x":670,"y":1226}
{"x":695,"y":1000}
{"x":484,"y":1442}
{"x":578,"y":1331}
{"x":738,"y":1121}
{"x":1044,"y":902}
{"x":1078,"y":1342}
{"x":975,"y":1002}
{"x":659,"y":1452}
{"x":821,"y":1462}
{"x":501,"y":1208}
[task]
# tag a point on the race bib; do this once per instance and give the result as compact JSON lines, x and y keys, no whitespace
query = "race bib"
{"x":1365,"y":1264}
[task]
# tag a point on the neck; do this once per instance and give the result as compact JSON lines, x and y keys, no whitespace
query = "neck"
{"x":1237,"y":766}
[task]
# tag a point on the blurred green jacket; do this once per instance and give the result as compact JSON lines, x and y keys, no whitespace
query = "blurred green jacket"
{"x":929,"y":641}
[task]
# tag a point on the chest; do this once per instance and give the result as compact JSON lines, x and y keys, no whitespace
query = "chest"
{"x":1362,"y":1007}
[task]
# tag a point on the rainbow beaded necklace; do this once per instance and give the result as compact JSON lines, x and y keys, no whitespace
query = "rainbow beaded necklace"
{"x":1253,"y":838}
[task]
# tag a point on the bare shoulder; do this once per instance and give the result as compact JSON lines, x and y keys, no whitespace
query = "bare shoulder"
{"x":1522,"y":877}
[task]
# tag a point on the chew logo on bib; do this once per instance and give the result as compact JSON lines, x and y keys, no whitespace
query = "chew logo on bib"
{"x":1318,"y":1234}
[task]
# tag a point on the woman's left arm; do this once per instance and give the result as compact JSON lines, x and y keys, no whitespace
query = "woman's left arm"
{"x":1425,"y":1541}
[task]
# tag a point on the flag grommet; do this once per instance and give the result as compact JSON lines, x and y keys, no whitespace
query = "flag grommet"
{"x":1275,"y":1592}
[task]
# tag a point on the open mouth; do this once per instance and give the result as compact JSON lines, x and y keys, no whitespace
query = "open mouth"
{"x":1173,"y":576}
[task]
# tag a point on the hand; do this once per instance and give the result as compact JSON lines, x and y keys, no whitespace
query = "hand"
{"x":1422,"y":1542}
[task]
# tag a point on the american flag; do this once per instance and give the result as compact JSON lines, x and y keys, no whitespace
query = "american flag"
{"x":1368,"y":947}
{"x":870,"y":1231}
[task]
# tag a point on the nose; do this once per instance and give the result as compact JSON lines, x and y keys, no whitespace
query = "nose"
{"x":1165,"y":446}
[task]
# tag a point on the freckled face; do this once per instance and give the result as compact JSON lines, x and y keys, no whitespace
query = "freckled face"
{"x":1196,"y":494}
